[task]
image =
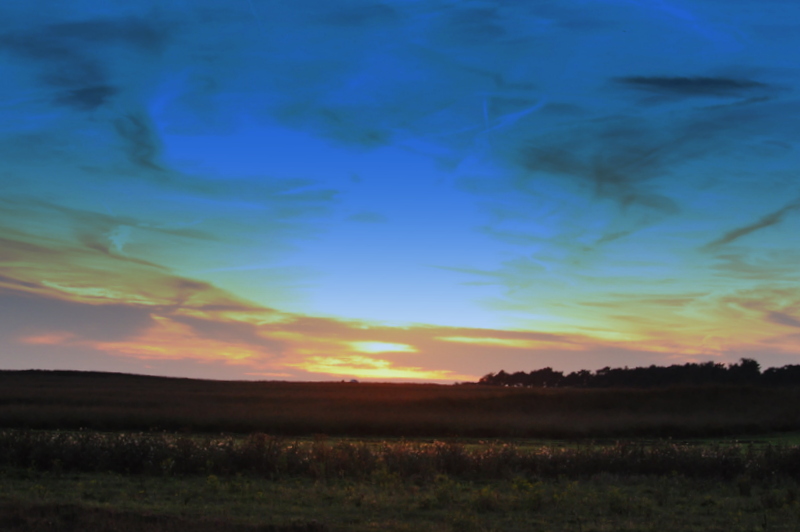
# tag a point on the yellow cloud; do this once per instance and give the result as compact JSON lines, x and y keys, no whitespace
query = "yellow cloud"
{"x":372,"y":368}
{"x":517,"y":343}
{"x":505,"y":342}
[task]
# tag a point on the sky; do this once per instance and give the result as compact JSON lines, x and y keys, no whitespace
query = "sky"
{"x":399,"y":190}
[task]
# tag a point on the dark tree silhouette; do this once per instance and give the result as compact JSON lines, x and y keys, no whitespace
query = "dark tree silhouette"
{"x":746,"y":372}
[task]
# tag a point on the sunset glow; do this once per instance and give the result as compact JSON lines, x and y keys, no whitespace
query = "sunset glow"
{"x":388,"y":190}
{"x":381,"y":347}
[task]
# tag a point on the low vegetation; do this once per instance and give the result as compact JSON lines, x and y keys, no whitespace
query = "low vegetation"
{"x":394,"y":496}
{"x":276,"y":458}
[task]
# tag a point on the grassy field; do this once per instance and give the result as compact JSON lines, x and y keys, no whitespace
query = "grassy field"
{"x":53,"y":480}
{"x":94,"y":452}
{"x":34,"y":501}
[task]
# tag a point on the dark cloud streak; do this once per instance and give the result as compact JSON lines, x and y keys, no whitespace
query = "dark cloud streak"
{"x":781,"y":318}
{"x":768,"y":220}
{"x":70,"y":57}
{"x":692,"y":86}
{"x":142,"y":143}
{"x":86,"y":98}
{"x":617,"y":157}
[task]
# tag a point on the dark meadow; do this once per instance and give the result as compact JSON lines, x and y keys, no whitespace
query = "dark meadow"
{"x":70,"y":400}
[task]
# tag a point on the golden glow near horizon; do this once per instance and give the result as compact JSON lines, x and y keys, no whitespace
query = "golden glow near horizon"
{"x":374,"y":368}
{"x":297,"y":347}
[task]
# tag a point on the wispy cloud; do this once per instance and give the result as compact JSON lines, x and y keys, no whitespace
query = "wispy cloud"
{"x":26,"y":315}
{"x":93,"y":276}
{"x":776,"y":265}
{"x":765,"y":221}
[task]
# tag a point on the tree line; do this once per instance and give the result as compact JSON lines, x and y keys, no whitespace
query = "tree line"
{"x":746,"y":372}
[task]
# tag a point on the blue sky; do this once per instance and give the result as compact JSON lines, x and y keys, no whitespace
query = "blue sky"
{"x":416,"y":190}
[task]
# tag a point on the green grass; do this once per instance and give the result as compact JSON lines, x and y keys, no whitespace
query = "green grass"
{"x":389,"y":503}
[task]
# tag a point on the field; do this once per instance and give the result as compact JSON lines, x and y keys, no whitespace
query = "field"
{"x":72,"y":400}
{"x":116,"y":452}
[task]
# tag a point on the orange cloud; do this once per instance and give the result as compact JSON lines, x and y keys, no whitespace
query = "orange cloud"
{"x":173,"y":340}
{"x":54,"y":338}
